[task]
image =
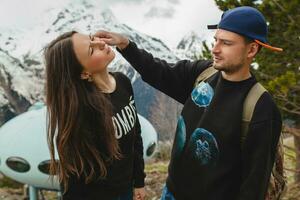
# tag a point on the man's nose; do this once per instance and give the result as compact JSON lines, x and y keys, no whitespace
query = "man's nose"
{"x":216,"y":48}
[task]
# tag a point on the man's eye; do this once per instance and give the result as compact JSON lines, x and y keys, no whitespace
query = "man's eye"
{"x":227,"y":43}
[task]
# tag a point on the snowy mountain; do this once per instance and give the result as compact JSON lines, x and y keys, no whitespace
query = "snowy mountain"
{"x":189,"y":47}
{"x":21,"y":59}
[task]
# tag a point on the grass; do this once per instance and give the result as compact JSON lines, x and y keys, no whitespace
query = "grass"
{"x":9,"y":183}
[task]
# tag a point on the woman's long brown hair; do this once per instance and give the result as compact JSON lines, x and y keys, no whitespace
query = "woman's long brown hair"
{"x":79,"y":117}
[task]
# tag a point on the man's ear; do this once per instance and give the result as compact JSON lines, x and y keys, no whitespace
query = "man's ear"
{"x":253,"y":49}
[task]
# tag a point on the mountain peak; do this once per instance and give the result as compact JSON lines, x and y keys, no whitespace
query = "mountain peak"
{"x":21,"y":50}
{"x":190,"y":46}
{"x":189,"y":40}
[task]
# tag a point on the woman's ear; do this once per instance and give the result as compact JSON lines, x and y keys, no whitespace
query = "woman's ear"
{"x":86,"y":76}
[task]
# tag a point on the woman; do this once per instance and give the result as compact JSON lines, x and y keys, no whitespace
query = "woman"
{"x":92,"y":120}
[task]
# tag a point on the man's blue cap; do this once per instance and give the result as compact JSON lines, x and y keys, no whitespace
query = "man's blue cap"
{"x":248,"y":22}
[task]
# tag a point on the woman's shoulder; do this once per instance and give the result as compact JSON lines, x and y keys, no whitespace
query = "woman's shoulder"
{"x":123,"y":80}
{"x":121,"y":75}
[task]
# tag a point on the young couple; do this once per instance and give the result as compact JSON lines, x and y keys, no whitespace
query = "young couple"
{"x":86,"y":102}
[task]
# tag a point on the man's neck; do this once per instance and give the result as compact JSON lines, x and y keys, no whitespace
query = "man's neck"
{"x":240,"y":75}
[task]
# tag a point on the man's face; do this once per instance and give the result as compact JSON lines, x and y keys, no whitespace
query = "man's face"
{"x":229,"y":51}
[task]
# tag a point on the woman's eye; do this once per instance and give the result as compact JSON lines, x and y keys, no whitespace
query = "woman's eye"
{"x":91,"y":51}
{"x":91,"y":37}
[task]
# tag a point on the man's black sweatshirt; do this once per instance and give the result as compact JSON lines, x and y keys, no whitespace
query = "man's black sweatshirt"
{"x":207,"y":161}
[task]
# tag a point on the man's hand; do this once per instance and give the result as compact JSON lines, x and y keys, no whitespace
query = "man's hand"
{"x":139,"y":194}
{"x":113,"y":39}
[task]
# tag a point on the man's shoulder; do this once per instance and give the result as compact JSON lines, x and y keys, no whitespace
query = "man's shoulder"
{"x":202,"y":64}
{"x":196,"y":63}
{"x":266,"y":109}
{"x":197,"y":67}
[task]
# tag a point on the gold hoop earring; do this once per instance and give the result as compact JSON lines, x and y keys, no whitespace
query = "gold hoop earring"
{"x":87,"y":76}
{"x":90,"y":78}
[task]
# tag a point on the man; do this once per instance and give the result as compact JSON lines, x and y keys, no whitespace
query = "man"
{"x":208,"y":162}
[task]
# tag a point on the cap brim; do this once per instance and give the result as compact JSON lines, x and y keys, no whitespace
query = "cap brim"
{"x":257,"y":41}
{"x":268,"y":46}
{"x":212,"y":26}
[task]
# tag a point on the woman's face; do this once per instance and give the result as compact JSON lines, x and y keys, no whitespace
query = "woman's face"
{"x":93,"y":54}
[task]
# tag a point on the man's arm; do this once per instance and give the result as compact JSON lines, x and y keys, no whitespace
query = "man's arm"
{"x":175,"y":80}
{"x":259,"y":149}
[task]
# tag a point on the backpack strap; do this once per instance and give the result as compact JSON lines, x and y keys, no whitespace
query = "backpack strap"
{"x":249,"y":103}
{"x":277,"y":185}
{"x":248,"y":108}
{"x":206,"y":74}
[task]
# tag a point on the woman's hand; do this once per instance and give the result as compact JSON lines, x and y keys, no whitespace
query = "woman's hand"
{"x":113,"y":39}
{"x":139,"y":193}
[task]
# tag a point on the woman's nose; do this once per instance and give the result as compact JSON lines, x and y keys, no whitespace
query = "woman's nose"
{"x":96,"y":39}
{"x":98,"y":43}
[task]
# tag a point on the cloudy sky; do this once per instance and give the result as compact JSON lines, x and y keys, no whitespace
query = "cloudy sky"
{"x":168,"y":20}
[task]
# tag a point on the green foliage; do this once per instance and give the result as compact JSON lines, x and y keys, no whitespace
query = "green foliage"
{"x":206,"y":54}
{"x":229,"y":4}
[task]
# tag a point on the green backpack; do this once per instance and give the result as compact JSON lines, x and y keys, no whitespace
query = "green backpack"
{"x":277,"y":185}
